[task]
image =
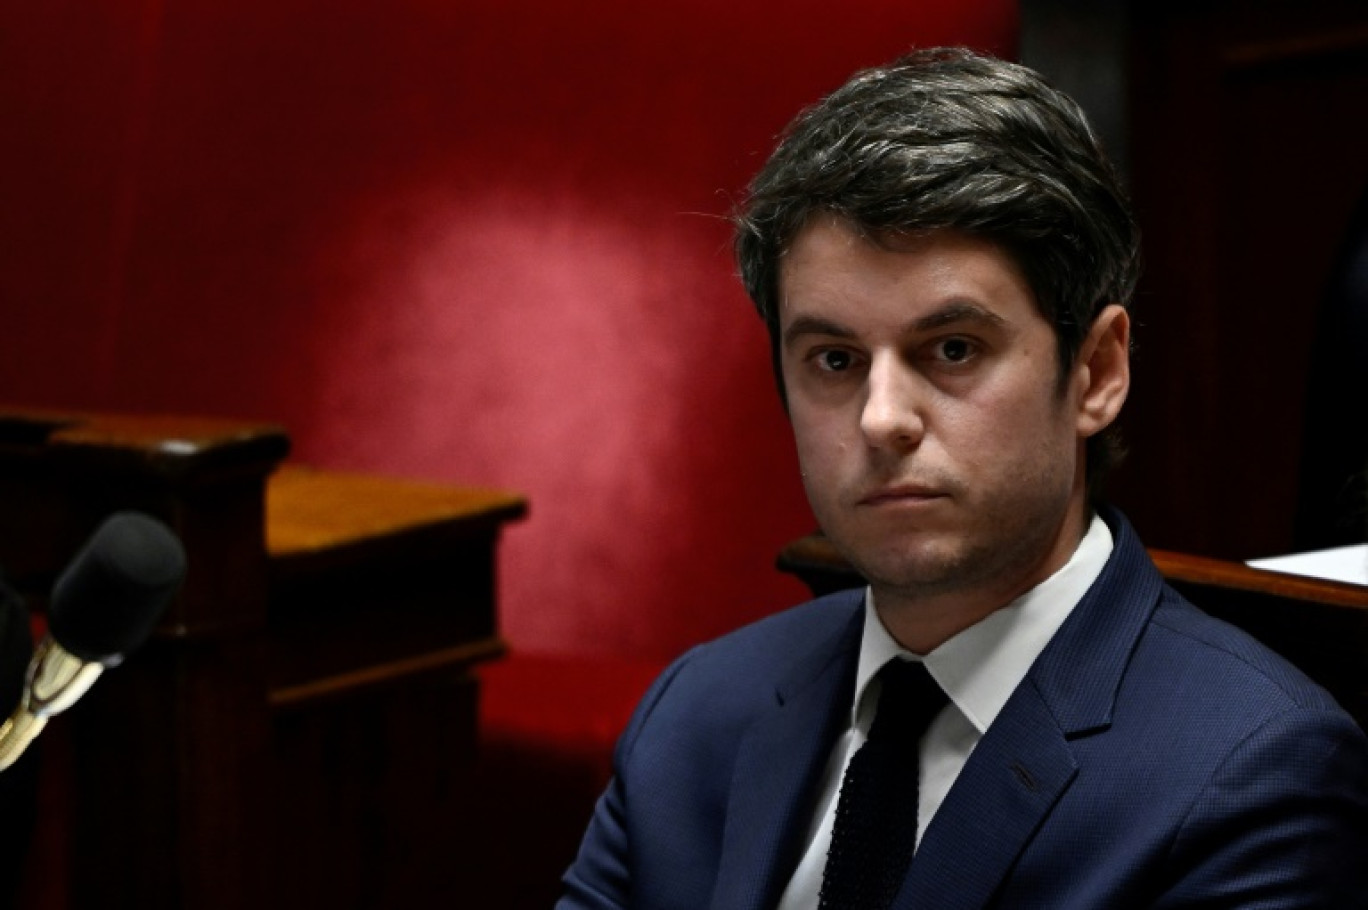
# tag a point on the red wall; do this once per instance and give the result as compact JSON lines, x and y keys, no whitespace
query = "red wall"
{"x":469,"y":241}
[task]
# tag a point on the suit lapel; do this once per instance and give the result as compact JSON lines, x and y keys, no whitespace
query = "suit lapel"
{"x":1025,"y":763}
{"x":1009,"y":785}
{"x":779,"y":762}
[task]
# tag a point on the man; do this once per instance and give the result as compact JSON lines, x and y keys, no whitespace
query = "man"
{"x":944,"y":258}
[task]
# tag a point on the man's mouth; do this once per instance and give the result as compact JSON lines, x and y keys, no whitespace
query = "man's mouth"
{"x":901,"y":493}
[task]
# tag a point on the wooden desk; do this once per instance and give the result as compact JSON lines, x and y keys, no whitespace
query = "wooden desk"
{"x":382,"y":599}
{"x":1321,"y":626}
{"x":295,"y":730}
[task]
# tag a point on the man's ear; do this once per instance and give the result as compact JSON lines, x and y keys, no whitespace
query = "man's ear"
{"x":1102,"y":371}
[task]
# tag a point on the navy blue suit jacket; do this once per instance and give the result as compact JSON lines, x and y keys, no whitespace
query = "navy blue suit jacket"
{"x":1152,"y":757}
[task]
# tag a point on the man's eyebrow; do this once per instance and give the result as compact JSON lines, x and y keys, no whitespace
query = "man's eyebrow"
{"x":814,"y":325}
{"x":951,"y":314}
{"x":955,"y":313}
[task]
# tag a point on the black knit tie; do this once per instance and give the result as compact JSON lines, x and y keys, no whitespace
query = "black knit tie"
{"x":876,"y":816}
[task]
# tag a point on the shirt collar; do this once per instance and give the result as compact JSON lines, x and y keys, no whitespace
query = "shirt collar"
{"x":980,"y":667}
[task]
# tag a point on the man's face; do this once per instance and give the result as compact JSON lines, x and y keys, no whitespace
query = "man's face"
{"x":939,"y":450}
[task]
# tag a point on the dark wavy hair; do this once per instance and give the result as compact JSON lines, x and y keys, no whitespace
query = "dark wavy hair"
{"x":947,"y":139}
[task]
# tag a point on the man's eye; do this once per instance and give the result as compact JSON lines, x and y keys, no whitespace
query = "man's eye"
{"x":834,"y":361}
{"x":955,"y":350}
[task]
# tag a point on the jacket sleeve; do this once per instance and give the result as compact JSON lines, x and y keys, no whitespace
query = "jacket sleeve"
{"x":1283,"y":823}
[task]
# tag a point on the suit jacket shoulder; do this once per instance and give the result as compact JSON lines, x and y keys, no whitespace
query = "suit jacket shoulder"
{"x":729,"y":680}
{"x":710,"y":776}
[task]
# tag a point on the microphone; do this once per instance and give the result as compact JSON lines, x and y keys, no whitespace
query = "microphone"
{"x":104,"y":605}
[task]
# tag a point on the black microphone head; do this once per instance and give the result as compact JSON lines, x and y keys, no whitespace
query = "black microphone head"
{"x":107,"y":600}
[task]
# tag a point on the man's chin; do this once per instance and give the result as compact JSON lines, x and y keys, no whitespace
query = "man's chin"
{"x":923,"y":570}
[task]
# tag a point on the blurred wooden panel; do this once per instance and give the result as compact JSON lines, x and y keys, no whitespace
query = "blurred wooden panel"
{"x":1249,"y":150}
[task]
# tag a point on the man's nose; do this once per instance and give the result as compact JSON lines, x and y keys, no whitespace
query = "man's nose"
{"x":892,"y":415}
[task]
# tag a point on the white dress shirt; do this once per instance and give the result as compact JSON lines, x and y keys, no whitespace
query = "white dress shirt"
{"x":978,"y":669}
